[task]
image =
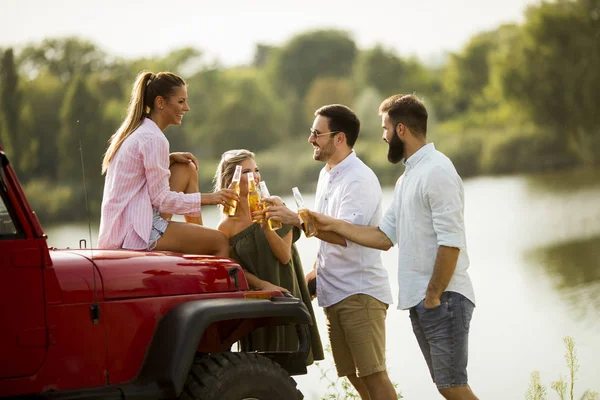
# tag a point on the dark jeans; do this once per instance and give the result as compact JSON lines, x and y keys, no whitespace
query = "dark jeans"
{"x":443,"y":335}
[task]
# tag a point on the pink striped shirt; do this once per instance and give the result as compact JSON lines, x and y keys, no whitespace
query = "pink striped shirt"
{"x":137,"y":180}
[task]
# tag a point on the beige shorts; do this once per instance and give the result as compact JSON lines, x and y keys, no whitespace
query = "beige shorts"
{"x":356,"y":327}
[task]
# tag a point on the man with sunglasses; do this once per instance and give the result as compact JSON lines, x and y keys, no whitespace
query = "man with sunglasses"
{"x":426,"y":220}
{"x":352,"y":284}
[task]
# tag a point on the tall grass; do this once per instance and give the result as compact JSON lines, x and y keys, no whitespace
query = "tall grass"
{"x":564,"y":389}
{"x":339,"y":388}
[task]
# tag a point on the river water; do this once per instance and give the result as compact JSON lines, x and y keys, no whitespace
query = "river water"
{"x":534,"y":246}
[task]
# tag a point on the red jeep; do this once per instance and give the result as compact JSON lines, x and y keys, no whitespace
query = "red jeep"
{"x":100,"y":324}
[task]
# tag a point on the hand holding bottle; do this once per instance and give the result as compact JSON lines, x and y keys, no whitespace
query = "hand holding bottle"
{"x":308,"y":224}
{"x":224,"y":197}
{"x":264,"y":195}
{"x":325,"y":222}
{"x":230,"y":209}
{"x":254,"y":199}
{"x":279,"y":212}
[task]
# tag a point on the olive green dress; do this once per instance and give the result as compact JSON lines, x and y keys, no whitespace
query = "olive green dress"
{"x":251,"y":249}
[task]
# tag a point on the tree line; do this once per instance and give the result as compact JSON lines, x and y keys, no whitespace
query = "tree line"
{"x":520,"y":97}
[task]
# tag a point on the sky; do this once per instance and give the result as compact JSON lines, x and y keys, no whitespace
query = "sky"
{"x":229,"y":30}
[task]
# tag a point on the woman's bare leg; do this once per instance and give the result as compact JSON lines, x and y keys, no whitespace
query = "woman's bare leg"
{"x":181,"y":237}
{"x":184,"y":178}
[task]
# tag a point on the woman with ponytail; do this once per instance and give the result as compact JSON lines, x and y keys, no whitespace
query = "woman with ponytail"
{"x":145,"y":184}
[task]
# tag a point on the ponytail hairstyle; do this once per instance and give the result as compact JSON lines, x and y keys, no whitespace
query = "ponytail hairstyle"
{"x":146,"y":89}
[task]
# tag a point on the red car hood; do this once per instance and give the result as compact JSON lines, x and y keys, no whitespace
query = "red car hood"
{"x":132,"y":274}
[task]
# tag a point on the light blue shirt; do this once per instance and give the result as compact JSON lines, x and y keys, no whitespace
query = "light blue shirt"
{"x":350,"y":191}
{"x":427,"y":212}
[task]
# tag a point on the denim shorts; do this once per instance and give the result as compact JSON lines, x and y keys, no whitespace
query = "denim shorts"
{"x":443,"y":335}
{"x":159,"y":226}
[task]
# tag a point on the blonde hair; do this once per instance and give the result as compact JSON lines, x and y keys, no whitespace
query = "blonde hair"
{"x":226,"y":167}
{"x":147,"y":87}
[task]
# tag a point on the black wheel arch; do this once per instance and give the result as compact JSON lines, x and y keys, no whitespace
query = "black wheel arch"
{"x":174,"y":343}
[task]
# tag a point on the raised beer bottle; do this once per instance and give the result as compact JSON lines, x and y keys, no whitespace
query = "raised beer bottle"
{"x":264,"y":193}
{"x":254,"y":198}
{"x":235,"y":185}
{"x":308,"y":224}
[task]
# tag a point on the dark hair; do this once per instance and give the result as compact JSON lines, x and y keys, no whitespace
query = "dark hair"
{"x":406,"y":109}
{"x":162,"y":84}
{"x":147,"y":87}
{"x":343,"y":119}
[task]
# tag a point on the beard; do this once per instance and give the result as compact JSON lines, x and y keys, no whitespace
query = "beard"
{"x":325,"y":152}
{"x":395,"y":150}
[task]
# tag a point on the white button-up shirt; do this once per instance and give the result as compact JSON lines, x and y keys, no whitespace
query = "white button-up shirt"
{"x":350,"y":191}
{"x":427,"y":212}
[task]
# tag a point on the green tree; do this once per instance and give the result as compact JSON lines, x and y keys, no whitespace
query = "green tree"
{"x":471,"y":88}
{"x":467,"y":73}
{"x":248,"y":115}
{"x":388,"y":73}
{"x":81,"y":122}
{"x":206,"y":92}
{"x":61,"y":57}
{"x":366,"y":106}
{"x":42,"y":99}
{"x":322,"y":53}
{"x":307,"y":56}
{"x":552,"y":72}
{"x":327,"y":91}
{"x":10,"y":103}
{"x":185,"y":61}
{"x":262,"y":53}
{"x":381,"y":69}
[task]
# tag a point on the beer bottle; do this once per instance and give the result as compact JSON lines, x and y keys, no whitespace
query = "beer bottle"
{"x":308,"y":224}
{"x":254,"y":198}
{"x":235,"y":185}
{"x":264,"y":193}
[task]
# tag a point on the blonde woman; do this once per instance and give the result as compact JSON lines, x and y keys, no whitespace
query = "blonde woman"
{"x":269,"y":258}
{"x":145,"y":184}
